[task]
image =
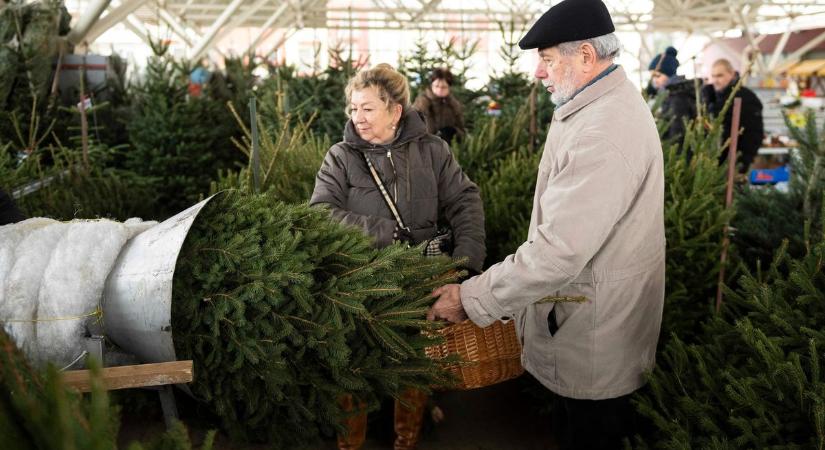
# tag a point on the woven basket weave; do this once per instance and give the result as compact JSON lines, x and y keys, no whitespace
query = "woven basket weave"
{"x":488,"y":355}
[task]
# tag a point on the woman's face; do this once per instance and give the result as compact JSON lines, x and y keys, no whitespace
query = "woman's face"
{"x":373,"y":121}
{"x":440,"y":88}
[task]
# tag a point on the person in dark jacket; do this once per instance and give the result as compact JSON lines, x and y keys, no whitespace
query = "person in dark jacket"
{"x":723,"y":79}
{"x":680,"y":103}
{"x":444,"y":114}
{"x":422,"y":179}
{"x":8,"y":210}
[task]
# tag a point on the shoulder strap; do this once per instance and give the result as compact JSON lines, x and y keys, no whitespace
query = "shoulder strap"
{"x":387,"y":198}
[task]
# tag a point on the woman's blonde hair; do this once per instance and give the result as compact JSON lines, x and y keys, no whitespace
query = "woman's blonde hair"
{"x":393,"y":88}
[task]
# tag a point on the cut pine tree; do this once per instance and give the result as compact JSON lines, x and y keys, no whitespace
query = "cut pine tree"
{"x":283,"y":311}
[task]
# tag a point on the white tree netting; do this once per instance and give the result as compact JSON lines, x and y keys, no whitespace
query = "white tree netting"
{"x":52,"y":276}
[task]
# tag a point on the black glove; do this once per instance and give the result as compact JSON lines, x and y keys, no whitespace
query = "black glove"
{"x":402,"y":235}
{"x":651,"y":90}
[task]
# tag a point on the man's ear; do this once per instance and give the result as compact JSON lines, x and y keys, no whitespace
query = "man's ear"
{"x":588,"y":56}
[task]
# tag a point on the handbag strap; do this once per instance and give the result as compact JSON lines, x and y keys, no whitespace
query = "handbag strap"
{"x":387,"y":199}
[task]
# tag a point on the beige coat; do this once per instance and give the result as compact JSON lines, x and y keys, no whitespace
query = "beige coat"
{"x":597,"y":230}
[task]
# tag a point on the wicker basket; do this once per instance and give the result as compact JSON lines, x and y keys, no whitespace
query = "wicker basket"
{"x":488,"y":355}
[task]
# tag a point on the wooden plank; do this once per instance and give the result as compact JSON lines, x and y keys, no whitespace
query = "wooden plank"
{"x":141,"y":375}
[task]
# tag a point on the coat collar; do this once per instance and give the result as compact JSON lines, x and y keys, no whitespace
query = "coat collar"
{"x":591,"y":93}
{"x":410,"y":127}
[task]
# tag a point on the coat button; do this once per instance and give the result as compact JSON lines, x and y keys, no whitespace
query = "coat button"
{"x":505,"y":318}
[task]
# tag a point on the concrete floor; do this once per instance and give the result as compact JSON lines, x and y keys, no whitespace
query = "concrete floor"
{"x":500,"y":417}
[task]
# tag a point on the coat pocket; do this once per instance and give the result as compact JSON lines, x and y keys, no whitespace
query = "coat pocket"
{"x":539,"y":345}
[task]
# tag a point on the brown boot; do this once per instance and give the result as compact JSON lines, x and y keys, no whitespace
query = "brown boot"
{"x":355,"y":424}
{"x":409,"y":414}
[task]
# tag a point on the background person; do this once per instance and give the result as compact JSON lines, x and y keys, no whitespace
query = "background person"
{"x":443,"y":113}
{"x":723,"y":79}
{"x":596,"y":232}
{"x":680,"y":103}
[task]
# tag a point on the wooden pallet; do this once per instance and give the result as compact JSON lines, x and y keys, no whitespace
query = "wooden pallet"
{"x":157,"y":376}
{"x":135,"y":376}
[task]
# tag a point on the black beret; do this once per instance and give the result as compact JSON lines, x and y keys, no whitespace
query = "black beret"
{"x":570,"y":20}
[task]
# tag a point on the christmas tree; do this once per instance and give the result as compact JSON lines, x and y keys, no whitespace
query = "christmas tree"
{"x":751,"y":376}
{"x":765,"y":216}
{"x":497,"y":156}
{"x":695,"y":220}
{"x":753,"y":379}
{"x":39,"y":413}
{"x":284,"y":311}
{"x":179,"y":142}
{"x":289,"y":155}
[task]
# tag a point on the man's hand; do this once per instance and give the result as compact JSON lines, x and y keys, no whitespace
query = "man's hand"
{"x":448,"y":306}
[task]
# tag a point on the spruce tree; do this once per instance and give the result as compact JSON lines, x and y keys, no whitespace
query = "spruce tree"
{"x":284,"y":311}
{"x":315,"y":99}
{"x":38,"y":412}
{"x":497,"y":156}
{"x":289,"y":155}
{"x":765,"y":216}
{"x":754,"y":377}
{"x":751,"y":377}
{"x":695,"y":219}
{"x":178,"y":141}
{"x":809,"y":165}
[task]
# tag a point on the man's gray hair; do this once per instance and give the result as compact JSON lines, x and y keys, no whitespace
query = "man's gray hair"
{"x":607,"y":46}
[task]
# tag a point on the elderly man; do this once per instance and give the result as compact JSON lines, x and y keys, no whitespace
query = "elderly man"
{"x":596,"y":233}
{"x":723,"y":79}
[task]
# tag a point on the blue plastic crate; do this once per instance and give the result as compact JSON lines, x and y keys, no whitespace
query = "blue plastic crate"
{"x":769,"y":176}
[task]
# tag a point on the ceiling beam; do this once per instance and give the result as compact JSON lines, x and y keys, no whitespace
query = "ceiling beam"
{"x":799,"y":53}
{"x":134,"y":25}
{"x":425,"y":9}
{"x":736,"y":9}
{"x":87,"y":20}
{"x":209,"y":38}
{"x":176,"y":25}
{"x":421,"y":28}
{"x":241,"y":19}
{"x":287,"y":34}
{"x":112,"y":18}
{"x":780,"y":47}
{"x":267,"y":26}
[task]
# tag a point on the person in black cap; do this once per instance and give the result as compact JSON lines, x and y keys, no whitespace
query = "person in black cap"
{"x":680,"y":103}
{"x":596,"y":237}
{"x":8,"y":210}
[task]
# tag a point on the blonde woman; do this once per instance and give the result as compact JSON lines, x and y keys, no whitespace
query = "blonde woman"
{"x":422,"y":182}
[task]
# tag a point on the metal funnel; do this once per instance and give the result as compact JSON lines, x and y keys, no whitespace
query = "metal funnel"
{"x":137,"y":298}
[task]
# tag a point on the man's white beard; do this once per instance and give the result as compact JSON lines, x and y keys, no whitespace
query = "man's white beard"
{"x":564,"y":89}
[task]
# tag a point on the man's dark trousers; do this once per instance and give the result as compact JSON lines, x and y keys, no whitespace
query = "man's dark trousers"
{"x":593,"y":424}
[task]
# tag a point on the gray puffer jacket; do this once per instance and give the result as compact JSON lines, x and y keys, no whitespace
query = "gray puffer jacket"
{"x":420,"y":173}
